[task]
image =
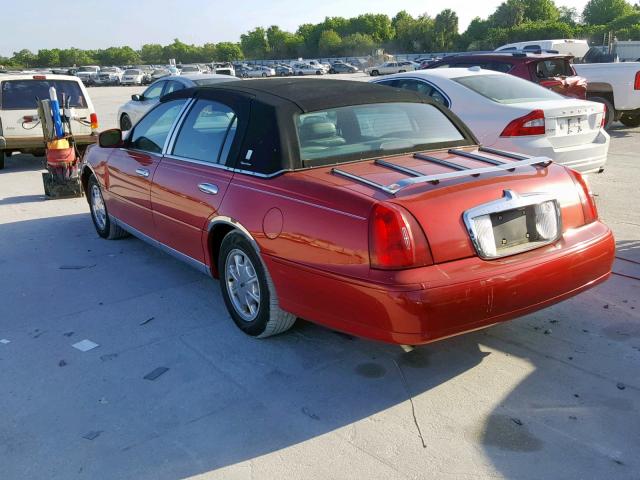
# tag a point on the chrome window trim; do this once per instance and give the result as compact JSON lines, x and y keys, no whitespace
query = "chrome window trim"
{"x":410,"y":77}
{"x":237,"y":225}
{"x":177,"y":123}
{"x":224,"y":167}
{"x":510,"y":201}
{"x":201,"y":267}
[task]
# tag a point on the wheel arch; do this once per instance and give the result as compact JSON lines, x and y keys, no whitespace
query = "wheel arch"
{"x":218,"y":228}
{"x":86,"y":173}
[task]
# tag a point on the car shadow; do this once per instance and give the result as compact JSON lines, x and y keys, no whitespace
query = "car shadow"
{"x":311,"y":398}
{"x":619,"y":131}
{"x":22,"y":162}
{"x":22,"y":199}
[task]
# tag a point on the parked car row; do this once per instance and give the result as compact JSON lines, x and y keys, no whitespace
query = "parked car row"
{"x":370,"y":209}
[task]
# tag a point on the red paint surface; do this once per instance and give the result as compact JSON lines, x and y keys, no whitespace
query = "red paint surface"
{"x":319,"y":261}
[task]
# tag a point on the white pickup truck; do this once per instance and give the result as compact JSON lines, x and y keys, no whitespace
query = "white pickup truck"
{"x":617,"y":85}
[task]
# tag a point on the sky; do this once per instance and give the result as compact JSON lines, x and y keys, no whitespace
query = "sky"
{"x":92,"y":24}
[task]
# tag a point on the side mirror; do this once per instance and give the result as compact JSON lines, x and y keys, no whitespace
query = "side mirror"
{"x":136,"y":98}
{"x":110,"y":138}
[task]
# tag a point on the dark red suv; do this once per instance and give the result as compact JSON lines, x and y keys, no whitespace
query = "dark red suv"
{"x":553,"y":71}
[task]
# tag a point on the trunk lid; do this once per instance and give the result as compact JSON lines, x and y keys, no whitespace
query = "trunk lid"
{"x":568,"y":122}
{"x":439,"y":208}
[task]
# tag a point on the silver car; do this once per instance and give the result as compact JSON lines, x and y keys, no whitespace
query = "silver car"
{"x":139,"y":105}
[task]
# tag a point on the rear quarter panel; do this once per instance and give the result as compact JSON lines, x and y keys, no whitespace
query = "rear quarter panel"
{"x":301,"y":220}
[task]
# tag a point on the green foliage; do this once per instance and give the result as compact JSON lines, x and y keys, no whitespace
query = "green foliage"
{"x":330,"y":43}
{"x":601,"y":12}
{"x":512,"y":21}
{"x":254,"y":43}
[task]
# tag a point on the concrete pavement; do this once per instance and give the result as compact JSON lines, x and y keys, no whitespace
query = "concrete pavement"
{"x":552,"y":395}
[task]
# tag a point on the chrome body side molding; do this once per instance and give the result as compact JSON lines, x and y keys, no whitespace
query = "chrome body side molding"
{"x":201,"y":267}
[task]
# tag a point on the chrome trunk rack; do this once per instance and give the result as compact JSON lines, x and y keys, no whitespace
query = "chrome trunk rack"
{"x":416,"y":177}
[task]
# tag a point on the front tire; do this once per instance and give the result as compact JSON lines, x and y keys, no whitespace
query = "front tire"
{"x":99,"y":213}
{"x":630,"y":120}
{"x":125,"y":122}
{"x":248,"y":291}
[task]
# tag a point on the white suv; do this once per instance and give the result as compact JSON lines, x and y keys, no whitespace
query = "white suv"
{"x":19,"y":125}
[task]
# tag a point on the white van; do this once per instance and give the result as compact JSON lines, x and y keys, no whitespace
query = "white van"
{"x":20,"y":130}
{"x":565,"y":46}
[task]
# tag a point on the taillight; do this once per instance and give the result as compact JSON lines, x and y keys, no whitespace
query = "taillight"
{"x":603,"y":123}
{"x":396,"y":240}
{"x":531,"y":124}
{"x":636,"y":83}
{"x":94,"y":121}
{"x":589,"y":209}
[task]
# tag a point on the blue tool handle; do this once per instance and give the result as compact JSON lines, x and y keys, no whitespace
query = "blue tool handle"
{"x":55,"y":113}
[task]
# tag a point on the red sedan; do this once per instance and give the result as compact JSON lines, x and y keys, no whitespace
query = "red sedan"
{"x":367,"y":209}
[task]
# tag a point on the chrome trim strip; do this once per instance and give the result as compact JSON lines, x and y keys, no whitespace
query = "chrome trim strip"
{"x":235,"y":224}
{"x":436,"y":178}
{"x":407,"y":76}
{"x":398,"y":168}
{"x":475,"y":156}
{"x":224,"y":167}
{"x":201,"y":267}
{"x":370,"y":183}
{"x":173,"y":131}
{"x":510,"y":201}
{"x":512,"y":155}
{"x":444,"y":163}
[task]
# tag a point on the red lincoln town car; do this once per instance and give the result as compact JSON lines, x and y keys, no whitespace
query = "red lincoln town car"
{"x":367,"y":209}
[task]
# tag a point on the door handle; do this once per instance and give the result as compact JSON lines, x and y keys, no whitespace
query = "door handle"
{"x":143,"y":172}
{"x":208,"y":188}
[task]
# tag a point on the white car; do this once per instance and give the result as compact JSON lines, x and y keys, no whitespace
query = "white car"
{"x":19,"y":125}
{"x":88,"y":74}
{"x":139,"y":105}
{"x":307,"y":69}
{"x":565,"y":46}
{"x":132,"y":76}
{"x":109,"y":76}
{"x":191,"y":69}
{"x":616,"y":85}
{"x":390,"y":68}
{"x":512,"y":114}
{"x":258,"y":71}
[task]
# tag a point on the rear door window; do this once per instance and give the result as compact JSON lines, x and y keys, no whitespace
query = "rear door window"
{"x":207,"y":133}
{"x":23,"y":94}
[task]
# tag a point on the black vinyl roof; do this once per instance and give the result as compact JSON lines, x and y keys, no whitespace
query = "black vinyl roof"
{"x":266,"y":110}
{"x":310,"y":94}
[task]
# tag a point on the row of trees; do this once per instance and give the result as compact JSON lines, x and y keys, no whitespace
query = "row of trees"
{"x":513,"y":20}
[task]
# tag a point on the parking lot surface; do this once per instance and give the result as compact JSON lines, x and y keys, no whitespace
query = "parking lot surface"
{"x":553,"y":395}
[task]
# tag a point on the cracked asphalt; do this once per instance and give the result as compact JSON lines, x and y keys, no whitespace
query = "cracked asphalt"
{"x":553,"y":395}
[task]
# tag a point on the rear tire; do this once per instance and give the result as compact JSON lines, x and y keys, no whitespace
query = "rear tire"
{"x":375,"y":73}
{"x":248,"y":291}
{"x":630,"y":120}
{"x":610,"y":110}
{"x":100,"y":215}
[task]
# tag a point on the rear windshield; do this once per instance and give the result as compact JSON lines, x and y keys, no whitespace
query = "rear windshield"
{"x":364,"y":131}
{"x":557,"y":67}
{"x":133,"y":72}
{"x":23,"y":94}
{"x":506,"y":88}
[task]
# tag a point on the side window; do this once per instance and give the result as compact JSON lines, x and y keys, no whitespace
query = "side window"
{"x":154,"y":91}
{"x":498,"y":66}
{"x":206,"y":130}
{"x":389,"y":83}
{"x":151,"y":132}
{"x":443,"y":65}
{"x":416,"y":86}
{"x":172,"y":86}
